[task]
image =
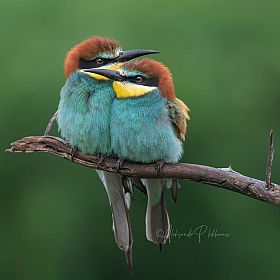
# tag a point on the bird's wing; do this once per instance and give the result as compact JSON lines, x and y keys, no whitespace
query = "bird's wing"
{"x":178,"y":112}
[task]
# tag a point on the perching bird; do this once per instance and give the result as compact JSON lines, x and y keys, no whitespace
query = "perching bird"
{"x":84,"y":119}
{"x":148,"y":123}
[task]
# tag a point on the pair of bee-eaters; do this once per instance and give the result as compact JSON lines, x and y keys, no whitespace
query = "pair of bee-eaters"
{"x":113,"y":106}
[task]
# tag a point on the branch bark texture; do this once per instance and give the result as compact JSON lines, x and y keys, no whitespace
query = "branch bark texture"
{"x":224,"y":178}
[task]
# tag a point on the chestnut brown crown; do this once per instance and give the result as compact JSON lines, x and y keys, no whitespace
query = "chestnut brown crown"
{"x":154,"y":68}
{"x":87,"y":50}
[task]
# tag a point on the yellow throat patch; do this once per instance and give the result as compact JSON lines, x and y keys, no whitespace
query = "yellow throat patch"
{"x":126,"y":90}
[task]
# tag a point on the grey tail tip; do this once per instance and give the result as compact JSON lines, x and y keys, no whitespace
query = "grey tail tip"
{"x":175,"y":185}
{"x":160,"y":247}
{"x":128,"y":255}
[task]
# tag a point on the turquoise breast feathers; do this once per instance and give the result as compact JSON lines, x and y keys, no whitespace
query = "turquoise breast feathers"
{"x":141,"y":129}
{"x":84,"y":113}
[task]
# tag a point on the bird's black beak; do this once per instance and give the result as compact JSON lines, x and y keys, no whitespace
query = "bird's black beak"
{"x":110,"y":74}
{"x":128,"y":55}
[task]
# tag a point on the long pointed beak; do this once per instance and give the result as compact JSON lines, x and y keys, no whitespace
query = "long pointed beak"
{"x":110,"y":74}
{"x":128,"y":55}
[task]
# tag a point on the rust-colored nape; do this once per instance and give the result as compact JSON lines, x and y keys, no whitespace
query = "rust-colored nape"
{"x":87,"y":50}
{"x":155,"y":69}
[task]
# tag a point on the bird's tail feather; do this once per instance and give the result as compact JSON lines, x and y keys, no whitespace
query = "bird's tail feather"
{"x":139,"y":185}
{"x":120,"y":214}
{"x":157,"y":220}
{"x":173,"y":185}
{"x":173,"y":190}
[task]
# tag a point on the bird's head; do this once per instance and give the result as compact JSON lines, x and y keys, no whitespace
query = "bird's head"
{"x":139,"y":77}
{"x":98,"y":52}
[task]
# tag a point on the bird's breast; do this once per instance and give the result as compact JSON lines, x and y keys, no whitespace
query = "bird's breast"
{"x":141,"y":130}
{"x":84,"y":115}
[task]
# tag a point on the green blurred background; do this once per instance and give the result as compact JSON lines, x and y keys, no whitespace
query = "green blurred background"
{"x":55,"y":216}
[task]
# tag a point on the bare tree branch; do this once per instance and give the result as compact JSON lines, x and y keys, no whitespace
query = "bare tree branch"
{"x":269,"y":161}
{"x":224,"y":178}
{"x":50,"y":124}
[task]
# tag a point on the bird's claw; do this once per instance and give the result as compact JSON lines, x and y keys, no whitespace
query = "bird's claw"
{"x":119,"y":164}
{"x":159,"y":165}
{"x":101,"y":159}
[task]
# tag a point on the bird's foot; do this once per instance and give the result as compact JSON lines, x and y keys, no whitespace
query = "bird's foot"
{"x":73,"y":152}
{"x":101,"y":159}
{"x":159,"y":165}
{"x":119,"y":164}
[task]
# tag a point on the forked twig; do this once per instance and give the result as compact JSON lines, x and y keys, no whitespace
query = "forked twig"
{"x":269,"y":161}
{"x":50,"y":124}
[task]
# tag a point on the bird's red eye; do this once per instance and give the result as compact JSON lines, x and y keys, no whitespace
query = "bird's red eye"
{"x":99,"y":60}
{"x":138,"y":79}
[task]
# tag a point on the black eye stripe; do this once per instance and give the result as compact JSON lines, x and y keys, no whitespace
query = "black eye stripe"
{"x":87,"y":64}
{"x":150,"y":82}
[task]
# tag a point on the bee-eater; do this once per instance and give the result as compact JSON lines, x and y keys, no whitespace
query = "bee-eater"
{"x":147,"y":125}
{"x":84,"y":119}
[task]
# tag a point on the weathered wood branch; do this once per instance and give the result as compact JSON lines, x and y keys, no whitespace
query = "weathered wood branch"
{"x":269,"y":161}
{"x":50,"y":124}
{"x":224,"y":178}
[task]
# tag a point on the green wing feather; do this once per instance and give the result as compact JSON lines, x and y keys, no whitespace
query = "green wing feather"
{"x":178,"y":112}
